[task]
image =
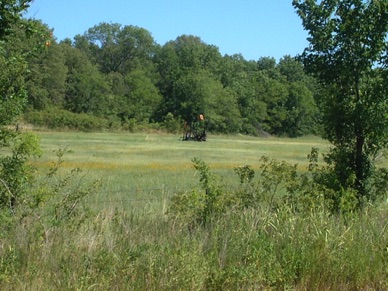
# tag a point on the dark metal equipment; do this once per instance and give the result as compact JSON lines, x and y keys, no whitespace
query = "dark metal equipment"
{"x":195,"y":131}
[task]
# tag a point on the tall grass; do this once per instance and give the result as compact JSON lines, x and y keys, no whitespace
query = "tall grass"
{"x":126,"y":238}
{"x":250,"y":250}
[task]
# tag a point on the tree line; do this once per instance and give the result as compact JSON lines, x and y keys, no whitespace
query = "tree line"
{"x":119,"y":73}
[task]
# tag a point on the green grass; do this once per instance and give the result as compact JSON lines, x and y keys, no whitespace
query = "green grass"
{"x":150,"y":151}
{"x":129,"y":242}
{"x":146,"y":169}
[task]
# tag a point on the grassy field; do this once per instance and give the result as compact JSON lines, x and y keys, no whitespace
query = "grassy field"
{"x":122,"y":238}
{"x":138,"y":152}
{"x":148,"y":168}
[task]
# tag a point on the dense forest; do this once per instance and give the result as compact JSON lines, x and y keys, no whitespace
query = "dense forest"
{"x":117,"y":76}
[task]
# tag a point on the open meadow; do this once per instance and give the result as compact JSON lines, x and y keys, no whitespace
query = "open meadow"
{"x":139,"y":168}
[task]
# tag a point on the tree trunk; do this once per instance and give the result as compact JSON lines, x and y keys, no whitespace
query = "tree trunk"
{"x":360,"y":166}
{"x":359,"y":162}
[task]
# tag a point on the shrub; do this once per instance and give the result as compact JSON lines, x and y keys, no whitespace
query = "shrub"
{"x":199,"y":206}
{"x":44,"y":211}
{"x":62,"y":119}
{"x":274,"y":185}
{"x":172,"y":124}
{"x":16,"y":175}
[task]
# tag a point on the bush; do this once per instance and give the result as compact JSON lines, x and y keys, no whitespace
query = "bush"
{"x":62,"y":119}
{"x":45,"y":212}
{"x":275,"y":185}
{"x":172,"y":124}
{"x":16,"y":175}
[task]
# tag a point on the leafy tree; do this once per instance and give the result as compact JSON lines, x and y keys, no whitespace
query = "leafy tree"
{"x":346,"y":53}
{"x":194,"y":54}
{"x":170,"y":69}
{"x":12,"y":64}
{"x":274,"y":93}
{"x":189,"y":95}
{"x":302,"y":112}
{"x":117,"y":101}
{"x":141,"y":97}
{"x":12,"y":93}
{"x":11,"y":12}
{"x":116,"y":48}
{"x":87,"y":90}
{"x":14,"y":170}
{"x":292,"y":69}
{"x":29,"y":42}
{"x":303,"y":115}
{"x":221,"y":108}
{"x":267,"y":64}
{"x":124,"y":55}
{"x":45,"y":83}
{"x":188,"y":69}
{"x":236,"y":76}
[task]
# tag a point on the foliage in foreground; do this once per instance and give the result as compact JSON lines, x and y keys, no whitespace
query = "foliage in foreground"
{"x":212,"y":238}
{"x":245,"y":250}
{"x":276,"y":185}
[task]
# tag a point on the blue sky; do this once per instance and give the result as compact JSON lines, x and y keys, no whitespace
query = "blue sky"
{"x":253,"y":28}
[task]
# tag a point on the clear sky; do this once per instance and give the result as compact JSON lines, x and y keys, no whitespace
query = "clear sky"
{"x":253,"y":28}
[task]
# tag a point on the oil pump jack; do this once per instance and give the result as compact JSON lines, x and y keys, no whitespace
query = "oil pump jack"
{"x":196,"y":130}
